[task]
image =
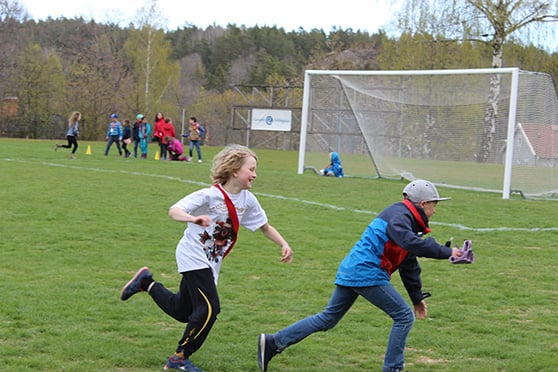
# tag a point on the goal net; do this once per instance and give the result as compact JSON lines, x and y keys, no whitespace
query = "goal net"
{"x":483,"y":129}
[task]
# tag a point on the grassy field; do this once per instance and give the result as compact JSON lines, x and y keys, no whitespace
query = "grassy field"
{"x":74,"y":231}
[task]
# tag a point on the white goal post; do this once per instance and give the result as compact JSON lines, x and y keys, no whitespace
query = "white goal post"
{"x":454,"y":127}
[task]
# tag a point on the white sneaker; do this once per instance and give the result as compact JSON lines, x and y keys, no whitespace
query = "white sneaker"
{"x":199,"y":161}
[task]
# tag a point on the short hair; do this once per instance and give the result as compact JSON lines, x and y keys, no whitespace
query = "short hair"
{"x":193,"y":118}
{"x":228,"y":161}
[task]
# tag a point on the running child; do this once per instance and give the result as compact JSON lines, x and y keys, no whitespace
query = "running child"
{"x":213,"y":216}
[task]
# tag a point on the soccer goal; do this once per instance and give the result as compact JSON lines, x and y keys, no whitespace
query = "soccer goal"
{"x":483,"y":129}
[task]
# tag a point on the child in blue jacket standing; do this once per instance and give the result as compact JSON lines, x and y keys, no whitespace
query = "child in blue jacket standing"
{"x":114,"y":134}
{"x":392,"y":241}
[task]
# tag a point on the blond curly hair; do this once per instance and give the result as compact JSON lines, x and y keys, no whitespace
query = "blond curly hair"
{"x":228,"y":161}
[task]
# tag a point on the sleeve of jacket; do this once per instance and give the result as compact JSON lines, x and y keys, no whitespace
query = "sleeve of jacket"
{"x":409,"y":271}
{"x":400,"y":231}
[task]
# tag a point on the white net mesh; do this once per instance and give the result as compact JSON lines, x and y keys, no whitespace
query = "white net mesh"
{"x":448,"y":127}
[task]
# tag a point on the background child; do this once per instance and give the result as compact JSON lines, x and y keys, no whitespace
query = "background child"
{"x":126,"y":137}
{"x":144,"y":130}
{"x":114,"y":134}
{"x":334,"y":167}
{"x":213,"y":216}
{"x":72,"y":133}
{"x":168,"y":131}
{"x":175,"y":148}
{"x":194,"y":134}
{"x":135,"y":133}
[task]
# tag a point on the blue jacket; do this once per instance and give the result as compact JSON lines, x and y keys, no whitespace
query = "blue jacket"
{"x":334,"y":166}
{"x":115,"y":129}
{"x":392,"y":241}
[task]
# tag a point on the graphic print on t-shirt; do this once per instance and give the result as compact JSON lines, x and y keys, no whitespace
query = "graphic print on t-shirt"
{"x":215,"y":245}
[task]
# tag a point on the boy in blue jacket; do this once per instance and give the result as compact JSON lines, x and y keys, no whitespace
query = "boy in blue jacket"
{"x":114,"y":134}
{"x":393,"y":240}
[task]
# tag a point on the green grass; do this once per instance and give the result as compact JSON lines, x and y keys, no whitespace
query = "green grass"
{"x":533,"y":181}
{"x":74,"y":231}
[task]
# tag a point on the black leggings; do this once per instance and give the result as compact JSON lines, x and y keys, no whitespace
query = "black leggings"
{"x":72,"y":141}
{"x":196,"y":303}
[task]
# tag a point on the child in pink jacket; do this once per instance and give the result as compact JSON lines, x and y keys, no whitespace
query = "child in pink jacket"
{"x":175,"y":149}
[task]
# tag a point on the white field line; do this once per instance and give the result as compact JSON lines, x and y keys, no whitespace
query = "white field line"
{"x":295,"y":200}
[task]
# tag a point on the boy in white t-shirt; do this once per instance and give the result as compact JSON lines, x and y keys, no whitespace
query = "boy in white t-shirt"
{"x":213,"y":216}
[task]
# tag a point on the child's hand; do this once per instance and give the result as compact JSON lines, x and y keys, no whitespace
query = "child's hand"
{"x":286,"y":254}
{"x":456,"y":252}
{"x":421,"y":310}
{"x":203,"y":220}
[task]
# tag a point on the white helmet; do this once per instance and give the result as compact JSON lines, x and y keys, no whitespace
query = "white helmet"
{"x":422,"y":190}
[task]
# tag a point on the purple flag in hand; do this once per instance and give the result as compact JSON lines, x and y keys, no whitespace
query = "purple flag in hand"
{"x":467,"y":257}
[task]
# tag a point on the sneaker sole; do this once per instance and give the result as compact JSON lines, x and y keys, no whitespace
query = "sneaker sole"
{"x":167,"y":367}
{"x":138,"y":273}
{"x":261,"y":351}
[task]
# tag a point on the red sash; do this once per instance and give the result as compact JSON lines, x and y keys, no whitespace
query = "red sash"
{"x":232,"y":214}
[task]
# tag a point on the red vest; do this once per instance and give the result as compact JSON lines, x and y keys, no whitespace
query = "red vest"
{"x":393,"y":254}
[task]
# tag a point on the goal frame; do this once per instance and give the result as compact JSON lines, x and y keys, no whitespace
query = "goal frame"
{"x":514,"y":71}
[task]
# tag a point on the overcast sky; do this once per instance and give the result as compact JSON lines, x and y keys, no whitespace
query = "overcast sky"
{"x":289,"y":14}
{"x":363,"y":15}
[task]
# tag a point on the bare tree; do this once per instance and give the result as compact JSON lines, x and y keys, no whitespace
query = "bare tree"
{"x":12,"y":40}
{"x":12,"y":10}
{"x":486,"y":21}
{"x":39,"y":85}
{"x":149,"y":51}
{"x":98,"y":79}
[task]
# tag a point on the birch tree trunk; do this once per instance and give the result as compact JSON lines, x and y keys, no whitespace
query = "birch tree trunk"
{"x":491,"y":114}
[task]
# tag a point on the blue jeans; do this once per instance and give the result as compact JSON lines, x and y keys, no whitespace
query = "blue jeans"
{"x":385,"y":298}
{"x":111,"y":140}
{"x":164,"y":150}
{"x":195,"y":144}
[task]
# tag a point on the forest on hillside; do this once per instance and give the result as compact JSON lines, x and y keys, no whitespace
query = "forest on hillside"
{"x":50,"y":68}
